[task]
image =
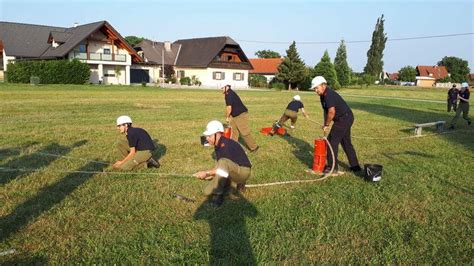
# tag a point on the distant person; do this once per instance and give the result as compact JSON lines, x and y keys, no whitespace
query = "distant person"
{"x":453,"y":98}
{"x":135,"y":147}
{"x":463,"y":105}
{"x":291,"y":113}
{"x":233,"y":165}
{"x":238,"y":117}
{"x":336,"y":110}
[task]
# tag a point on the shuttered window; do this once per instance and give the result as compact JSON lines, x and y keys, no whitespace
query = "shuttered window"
{"x":218,"y":75}
{"x":238,"y":76}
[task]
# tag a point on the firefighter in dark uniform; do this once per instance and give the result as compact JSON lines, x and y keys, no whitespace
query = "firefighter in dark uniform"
{"x":463,"y":106}
{"x":453,"y":98}
{"x":135,"y":147}
{"x":291,"y":113}
{"x":336,"y":110}
{"x":238,"y":117}
{"x":233,"y":165}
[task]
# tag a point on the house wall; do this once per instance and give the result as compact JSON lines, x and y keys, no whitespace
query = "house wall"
{"x":6,"y":59}
{"x":206,"y":77}
{"x":425,"y":83}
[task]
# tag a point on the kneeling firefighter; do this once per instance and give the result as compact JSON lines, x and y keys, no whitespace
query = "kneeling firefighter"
{"x":135,"y":147}
{"x":233,"y":165}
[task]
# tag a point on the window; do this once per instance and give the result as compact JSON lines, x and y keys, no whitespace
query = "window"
{"x":230,"y":57}
{"x":106,"y":50}
{"x":82,"y":48}
{"x":180,"y":74}
{"x":238,"y":76}
{"x":218,"y":75}
{"x":109,"y":75}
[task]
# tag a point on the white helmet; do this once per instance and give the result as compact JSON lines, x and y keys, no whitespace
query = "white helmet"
{"x":297,"y":98}
{"x":213,"y":127}
{"x":464,"y":85}
{"x":124,"y":119}
{"x":318,"y":80}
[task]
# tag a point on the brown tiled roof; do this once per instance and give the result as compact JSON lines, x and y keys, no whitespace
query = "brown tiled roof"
{"x":265,"y":65}
{"x":196,"y":53}
{"x":153,"y":52}
{"x":436,"y":72}
{"x":200,"y":52}
{"x":394,"y":76}
{"x":31,"y":41}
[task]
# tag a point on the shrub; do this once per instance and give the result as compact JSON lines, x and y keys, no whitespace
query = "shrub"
{"x":257,"y":81}
{"x":278,"y":86}
{"x":185,"y":81}
{"x":195,"y":81}
{"x":34,"y":80}
{"x":171,"y":78}
{"x":49,"y":72}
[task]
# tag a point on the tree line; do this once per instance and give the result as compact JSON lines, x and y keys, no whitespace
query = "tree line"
{"x":295,"y":74}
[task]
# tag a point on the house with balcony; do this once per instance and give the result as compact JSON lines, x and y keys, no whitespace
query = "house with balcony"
{"x":97,"y":44}
{"x":214,"y":61}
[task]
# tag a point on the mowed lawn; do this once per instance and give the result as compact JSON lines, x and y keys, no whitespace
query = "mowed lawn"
{"x":65,"y":212}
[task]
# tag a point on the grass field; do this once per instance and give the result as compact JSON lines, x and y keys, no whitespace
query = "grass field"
{"x":420,"y":212}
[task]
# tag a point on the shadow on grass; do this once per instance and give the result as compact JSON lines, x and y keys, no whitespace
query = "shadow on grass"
{"x":230,"y":242}
{"x":46,"y":199}
{"x":36,"y":160}
{"x":160,"y":150}
{"x":5,"y":153}
{"x":23,"y":260}
{"x":409,"y":115}
{"x":302,"y":150}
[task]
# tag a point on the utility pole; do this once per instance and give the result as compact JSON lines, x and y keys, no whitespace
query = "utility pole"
{"x":163,"y":64}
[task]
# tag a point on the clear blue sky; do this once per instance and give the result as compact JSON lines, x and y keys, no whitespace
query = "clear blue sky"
{"x":277,"y":21}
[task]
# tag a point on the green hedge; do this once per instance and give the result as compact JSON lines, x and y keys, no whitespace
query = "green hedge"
{"x":49,"y":72}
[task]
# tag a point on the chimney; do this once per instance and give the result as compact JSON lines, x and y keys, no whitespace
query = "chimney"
{"x":167,"y":46}
{"x":75,"y":24}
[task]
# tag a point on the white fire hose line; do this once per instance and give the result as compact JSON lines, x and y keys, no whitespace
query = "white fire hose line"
{"x":7,"y":252}
{"x":4,"y":169}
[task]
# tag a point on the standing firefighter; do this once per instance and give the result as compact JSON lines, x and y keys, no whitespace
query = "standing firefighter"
{"x":237,"y":115}
{"x":453,"y":98}
{"x":135,"y":147}
{"x":463,"y":105}
{"x":233,"y":165}
{"x":337,"y":110}
{"x":291,"y":113}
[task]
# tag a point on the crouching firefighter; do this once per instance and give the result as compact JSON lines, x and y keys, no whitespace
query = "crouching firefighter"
{"x":135,"y":147}
{"x":233,"y":165}
{"x":291,"y":112}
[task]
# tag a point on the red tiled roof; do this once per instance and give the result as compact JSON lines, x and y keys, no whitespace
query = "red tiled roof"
{"x":436,"y":72}
{"x":265,"y":65}
{"x":471,"y":76}
{"x":393,"y":76}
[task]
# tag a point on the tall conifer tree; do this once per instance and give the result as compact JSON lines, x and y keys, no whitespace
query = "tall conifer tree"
{"x":292,"y":70}
{"x":326,"y":69}
{"x":340,"y":64}
{"x":374,"y":64}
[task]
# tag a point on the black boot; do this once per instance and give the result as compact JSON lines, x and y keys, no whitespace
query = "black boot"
{"x":241,"y":187}
{"x":152,"y":163}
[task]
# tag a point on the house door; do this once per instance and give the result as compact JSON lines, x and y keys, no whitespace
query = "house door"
{"x":139,"y":76}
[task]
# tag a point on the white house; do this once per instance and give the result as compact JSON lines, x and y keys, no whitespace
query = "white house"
{"x":98,"y":44}
{"x":214,"y":61}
